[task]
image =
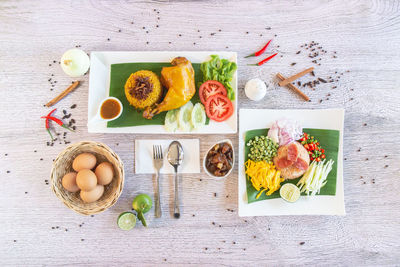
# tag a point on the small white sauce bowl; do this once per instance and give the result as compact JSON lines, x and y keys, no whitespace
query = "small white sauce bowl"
{"x":233,"y":159}
{"x":98,"y":118}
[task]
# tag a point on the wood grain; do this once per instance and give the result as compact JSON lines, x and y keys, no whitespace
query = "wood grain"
{"x":366,"y":37}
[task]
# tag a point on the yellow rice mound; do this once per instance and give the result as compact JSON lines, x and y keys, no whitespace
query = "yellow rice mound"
{"x":144,"y":99}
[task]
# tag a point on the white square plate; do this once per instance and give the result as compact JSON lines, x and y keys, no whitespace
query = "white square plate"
{"x":331,"y":119}
{"x":99,"y":84}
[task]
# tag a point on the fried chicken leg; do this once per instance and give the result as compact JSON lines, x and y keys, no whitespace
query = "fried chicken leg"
{"x":179,"y":80}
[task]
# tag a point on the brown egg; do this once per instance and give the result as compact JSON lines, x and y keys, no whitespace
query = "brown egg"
{"x":86,"y":180}
{"x":104,"y":173}
{"x":84,"y":161}
{"x":93,"y":195}
{"x":69,"y":182}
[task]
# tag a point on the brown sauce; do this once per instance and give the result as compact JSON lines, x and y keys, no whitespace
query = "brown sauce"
{"x":110,"y":109}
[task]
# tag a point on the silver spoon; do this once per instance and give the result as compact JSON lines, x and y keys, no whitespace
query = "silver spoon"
{"x":175,"y":157}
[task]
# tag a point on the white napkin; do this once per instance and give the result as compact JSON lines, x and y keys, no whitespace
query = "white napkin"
{"x":144,"y":156}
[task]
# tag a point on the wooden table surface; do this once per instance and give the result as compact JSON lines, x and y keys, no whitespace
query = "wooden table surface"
{"x":362,"y":41}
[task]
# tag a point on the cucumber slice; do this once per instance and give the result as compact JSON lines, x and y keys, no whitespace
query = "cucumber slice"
{"x":185,"y":117}
{"x":126,"y":220}
{"x":198,"y":116}
{"x":171,"y":120}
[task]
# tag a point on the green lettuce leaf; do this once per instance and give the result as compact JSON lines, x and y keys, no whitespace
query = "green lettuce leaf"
{"x":221,"y":70}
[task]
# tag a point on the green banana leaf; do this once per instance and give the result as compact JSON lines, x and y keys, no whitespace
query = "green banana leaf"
{"x":328,"y":140}
{"x":131,"y":116}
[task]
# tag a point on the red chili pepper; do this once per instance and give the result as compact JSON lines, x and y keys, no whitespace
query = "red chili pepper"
{"x":48,"y":130}
{"x":58,"y":121}
{"x":263,"y":61}
{"x":48,"y":125}
{"x":318,"y":159}
{"x":51,"y":112}
{"x":259,"y":52}
{"x":323,"y":156}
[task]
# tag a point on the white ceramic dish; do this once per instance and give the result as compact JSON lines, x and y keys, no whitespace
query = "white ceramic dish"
{"x":233,"y":160}
{"x":99,"y":119}
{"x":99,"y":83}
{"x":317,"y":205}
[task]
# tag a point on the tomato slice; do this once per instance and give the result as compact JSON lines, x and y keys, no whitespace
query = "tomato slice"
{"x":219,"y":108}
{"x":210,"y":88}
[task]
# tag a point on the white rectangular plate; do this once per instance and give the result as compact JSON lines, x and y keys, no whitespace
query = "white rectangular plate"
{"x":99,"y":84}
{"x":331,"y":119}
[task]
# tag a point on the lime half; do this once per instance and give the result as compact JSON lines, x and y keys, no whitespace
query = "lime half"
{"x":198,"y":116}
{"x":185,"y":117}
{"x":290,"y":192}
{"x":126,"y":220}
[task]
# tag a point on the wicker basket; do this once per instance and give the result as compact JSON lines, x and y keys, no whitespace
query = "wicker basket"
{"x":63,"y":165}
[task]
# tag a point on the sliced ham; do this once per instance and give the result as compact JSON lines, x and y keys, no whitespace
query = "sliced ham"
{"x":292,"y":152}
{"x":292,"y":160}
{"x":283,"y":162}
{"x":301,"y":164}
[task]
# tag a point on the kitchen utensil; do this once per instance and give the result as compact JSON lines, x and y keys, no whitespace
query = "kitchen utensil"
{"x":175,"y":158}
{"x":158,"y":161}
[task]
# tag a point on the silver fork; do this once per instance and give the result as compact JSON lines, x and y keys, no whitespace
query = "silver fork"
{"x":158,"y":163}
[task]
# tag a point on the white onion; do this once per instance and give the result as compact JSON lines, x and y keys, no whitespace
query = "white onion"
{"x":75,"y":62}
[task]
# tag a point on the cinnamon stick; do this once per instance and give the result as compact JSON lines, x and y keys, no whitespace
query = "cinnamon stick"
{"x":295,"y":77}
{"x":63,"y":94}
{"x":293,"y":87}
